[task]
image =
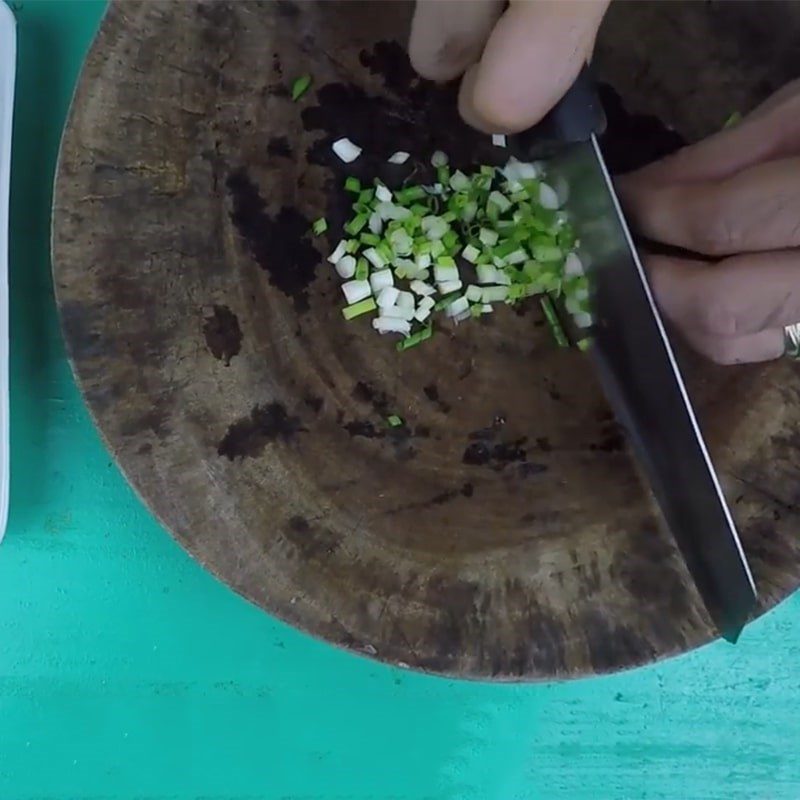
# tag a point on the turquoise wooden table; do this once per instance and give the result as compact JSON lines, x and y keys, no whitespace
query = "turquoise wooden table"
{"x":128,"y":672}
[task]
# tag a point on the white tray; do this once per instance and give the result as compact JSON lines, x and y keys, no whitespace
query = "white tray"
{"x":8,"y":61}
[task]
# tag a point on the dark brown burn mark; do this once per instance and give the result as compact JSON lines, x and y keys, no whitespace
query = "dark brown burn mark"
{"x":432,"y":393}
{"x":311,"y":542}
{"x":443,"y":497}
{"x":279,"y":146}
{"x":647,"y":568}
{"x":490,"y":432}
{"x":610,"y":644}
{"x":368,"y":395}
{"x":390,"y":61}
{"x":416,"y":116}
{"x":247,"y":437}
{"x":613,"y":440}
{"x":365,"y":428}
{"x":287,"y":9}
{"x":79,"y":330}
{"x":278,"y":244}
{"x":222,"y":333}
{"x":314,"y":403}
{"x":401,"y":438}
{"x":633,"y":140}
{"x":528,"y":469}
{"x":479,"y":454}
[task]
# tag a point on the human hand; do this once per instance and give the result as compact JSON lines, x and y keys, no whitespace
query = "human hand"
{"x":734,"y":197}
{"x":516,"y":64}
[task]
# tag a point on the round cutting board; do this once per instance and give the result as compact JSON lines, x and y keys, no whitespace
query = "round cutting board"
{"x":501,"y":532}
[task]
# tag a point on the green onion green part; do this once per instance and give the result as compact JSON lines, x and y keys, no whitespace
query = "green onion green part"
{"x":357,"y":309}
{"x":300,"y":87}
{"x":553,"y":321}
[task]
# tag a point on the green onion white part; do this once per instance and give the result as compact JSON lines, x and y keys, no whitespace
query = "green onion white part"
{"x":387,"y":297}
{"x":355,"y":291}
{"x":346,"y":267}
{"x":454,"y":249}
{"x":400,"y":157}
{"x":499,"y":139}
{"x":346,"y":150}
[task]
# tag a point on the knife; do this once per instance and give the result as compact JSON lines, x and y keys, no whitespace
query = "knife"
{"x":636,"y":364}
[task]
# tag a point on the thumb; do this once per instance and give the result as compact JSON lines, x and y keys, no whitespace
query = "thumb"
{"x":533,"y":55}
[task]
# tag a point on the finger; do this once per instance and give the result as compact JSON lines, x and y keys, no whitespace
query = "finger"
{"x":447,"y":36}
{"x":756,"y":209}
{"x":533,"y":55}
{"x":738,"y":297}
{"x":751,"y":349}
{"x":786,"y":94}
{"x":771,"y":131}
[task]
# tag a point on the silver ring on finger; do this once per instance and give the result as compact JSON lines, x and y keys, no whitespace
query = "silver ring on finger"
{"x":791,"y":341}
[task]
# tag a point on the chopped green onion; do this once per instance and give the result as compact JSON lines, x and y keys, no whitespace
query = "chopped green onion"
{"x":446,"y":301}
{"x":394,"y":421}
{"x":733,"y":119}
{"x":370,"y":238}
{"x":352,"y":185}
{"x":553,"y":321}
{"x":415,"y":339}
{"x":346,"y":150}
{"x":357,"y":309}
{"x":546,"y":253}
{"x":362,"y":269}
{"x":487,"y":237}
{"x":375,"y":258}
{"x":356,"y":224}
{"x":470,"y":253}
{"x":404,"y":245}
{"x":383,"y":193}
{"x":320,"y":226}
{"x":410,"y":195}
{"x":474,"y":294}
{"x":494,"y":294}
{"x":300,"y":86}
{"x":500,"y":200}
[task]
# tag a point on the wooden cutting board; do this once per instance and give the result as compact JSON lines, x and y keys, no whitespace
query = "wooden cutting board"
{"x":502,"y":532}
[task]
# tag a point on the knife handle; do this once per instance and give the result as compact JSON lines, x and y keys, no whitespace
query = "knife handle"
{"x":575,"y":118}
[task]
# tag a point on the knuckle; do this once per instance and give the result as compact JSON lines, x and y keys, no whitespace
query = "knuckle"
{"x":718,"y":318}
{"x":723,"y":352}
{"x":715,"y":234}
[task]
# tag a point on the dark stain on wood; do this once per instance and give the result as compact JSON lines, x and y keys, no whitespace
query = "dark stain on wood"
{"x":247,"y":437}
{"x":279,"y":146}
{"x":222,"y":333}
{"x":279,"y":244}
{"x":432,"y":393}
